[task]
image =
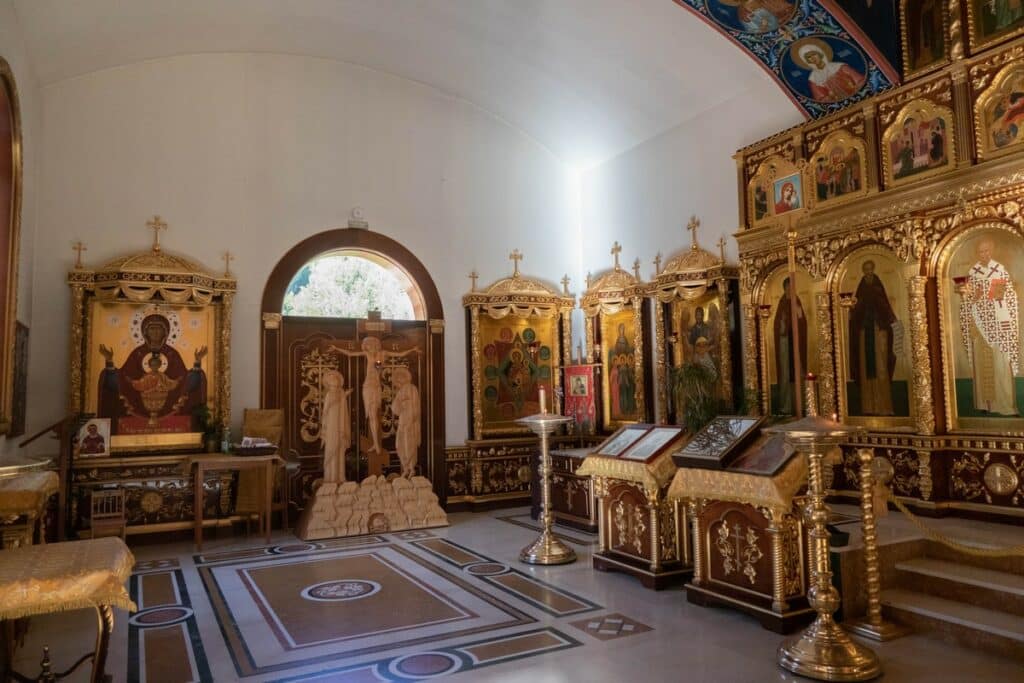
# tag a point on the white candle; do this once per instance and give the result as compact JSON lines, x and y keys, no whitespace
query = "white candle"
{"x":543,"y":402}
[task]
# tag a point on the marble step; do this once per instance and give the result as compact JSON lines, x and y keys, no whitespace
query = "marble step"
{"x":957,"y":622}
{"x":988,"y":588}
{"x":1013,"y":564}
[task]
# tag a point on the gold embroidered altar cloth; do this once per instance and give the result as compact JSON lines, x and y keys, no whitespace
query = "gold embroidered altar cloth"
{"x":60,"y":577}
{"x":26,"y":494}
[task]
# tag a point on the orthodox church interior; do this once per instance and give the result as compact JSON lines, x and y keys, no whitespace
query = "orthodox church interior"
{"x":552,"y":340}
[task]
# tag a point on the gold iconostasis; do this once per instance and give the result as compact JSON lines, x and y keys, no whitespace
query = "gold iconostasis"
{"x":882,"y":249}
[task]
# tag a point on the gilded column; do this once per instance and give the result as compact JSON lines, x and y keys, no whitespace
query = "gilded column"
{"x":826,"y":364}
{"x":871,"y":139}
{"x":962,"y":115}
{"x":660,"y":360}
{"x":588,"y":338}
{"x":566,"y":337}
{"x":699,"y":577}
{"x":777,"y":532}
{"x":224,"y":385}
{"x":750,"y":379}
{"x":741,"y":190}
{"x":724,"y":347}
{"x":956,"y":32}
{"x":600,"y":492}
{"x":474,"y":350}
{"x":924,"y":409}
{"x":766,"y":379}
{"x":638,"y":364}
{"x":653,"y":508}
{"x":75,"y":347}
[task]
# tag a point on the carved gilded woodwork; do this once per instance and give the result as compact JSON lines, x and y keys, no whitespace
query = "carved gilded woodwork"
{"x":614,"y":311}
{"x":10,"y":236}
{"x":997,"y":129}
{"x":516,"y":307}
{"x":837,"y":171}
{"x":691,"y":280}
{"x":911,"y":26}
{"x":127,"y":289}
{"x":906,"y":157}
{"x":826,"y":364}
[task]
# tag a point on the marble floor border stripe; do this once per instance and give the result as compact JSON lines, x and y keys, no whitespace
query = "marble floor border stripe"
{"x":237,"y":647}
{"x":561,"y":534}
{"x":461,"y":657}
{"x":298,"y":549}
{"x":185,"y":621}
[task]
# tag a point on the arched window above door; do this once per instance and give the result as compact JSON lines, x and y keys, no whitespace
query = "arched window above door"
{"x":348,"y":283}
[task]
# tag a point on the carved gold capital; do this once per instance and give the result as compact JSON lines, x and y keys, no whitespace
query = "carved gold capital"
{"x":271,"y":321}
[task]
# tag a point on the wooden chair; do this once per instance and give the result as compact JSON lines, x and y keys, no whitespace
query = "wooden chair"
{"x":258,"y":423}
{"x":107,"y":516}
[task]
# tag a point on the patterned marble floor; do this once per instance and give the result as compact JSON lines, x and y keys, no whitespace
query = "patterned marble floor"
{"x":450,"y":602}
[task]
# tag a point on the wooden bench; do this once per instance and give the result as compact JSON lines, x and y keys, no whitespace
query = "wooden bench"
{"x":61,"y":577}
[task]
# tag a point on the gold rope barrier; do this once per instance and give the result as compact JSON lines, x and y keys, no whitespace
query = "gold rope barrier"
{"x":948,"y":542}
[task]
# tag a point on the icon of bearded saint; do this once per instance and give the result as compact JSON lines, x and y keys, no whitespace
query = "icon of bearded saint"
{"x":829,"y":80}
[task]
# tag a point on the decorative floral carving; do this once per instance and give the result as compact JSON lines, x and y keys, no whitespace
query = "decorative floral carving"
{"x":739,"y":551}
{"x":966,"y":476}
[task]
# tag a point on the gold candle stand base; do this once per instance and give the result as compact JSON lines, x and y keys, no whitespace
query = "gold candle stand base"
{"x":824,"y":651}
{"x":547,"y":550}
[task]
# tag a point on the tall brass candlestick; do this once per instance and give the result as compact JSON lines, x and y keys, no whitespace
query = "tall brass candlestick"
{"x":872,"y":625}
{"x":547,"y":549}
{"x":824,"y":650}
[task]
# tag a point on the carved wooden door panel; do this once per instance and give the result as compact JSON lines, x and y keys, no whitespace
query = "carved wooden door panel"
{"x":387,"y":406}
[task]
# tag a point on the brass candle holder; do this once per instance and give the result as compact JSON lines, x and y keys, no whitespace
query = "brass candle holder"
{"x":823,"y":651}
{"x":547,"y":549}
{"x":872,"y":625}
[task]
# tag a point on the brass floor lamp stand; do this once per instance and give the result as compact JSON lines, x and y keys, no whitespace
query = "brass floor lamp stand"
{"x":547,"y":549}
{"x":823,"y":650}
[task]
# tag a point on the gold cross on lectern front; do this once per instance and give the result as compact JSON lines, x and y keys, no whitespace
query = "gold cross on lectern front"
{"x":228,"y":258}
{"x":616,"y":249}
{"x":78,"y":248}
{"x":692,"y":227}
{"x":516,"y":256}
{"x":156,"y":225}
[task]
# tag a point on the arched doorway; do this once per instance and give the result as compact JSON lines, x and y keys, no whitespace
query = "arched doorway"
{"x":355,"y":303}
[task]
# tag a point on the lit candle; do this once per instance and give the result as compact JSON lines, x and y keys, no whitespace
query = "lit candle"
{"x":543,"y":401}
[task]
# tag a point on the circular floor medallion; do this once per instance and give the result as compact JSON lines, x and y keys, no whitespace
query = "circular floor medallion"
{"x":425,"y":665}
{"x":487,"y":568}
{"x":340,"y":589}
{"x":294,"y":548}
{"x":160,"y":616}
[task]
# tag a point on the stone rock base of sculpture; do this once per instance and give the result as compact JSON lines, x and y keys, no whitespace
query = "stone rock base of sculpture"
{"x":373,"y":506}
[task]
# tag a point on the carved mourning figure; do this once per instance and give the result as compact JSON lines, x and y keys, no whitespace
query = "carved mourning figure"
{"x":373,"y":391}
{"x":406,"y":407}
{"x":990,"y":326}
{"x":785,"y":358}
{"x":152,"y":391}
{"x":873,"y":326}
{"x":335,"y":425}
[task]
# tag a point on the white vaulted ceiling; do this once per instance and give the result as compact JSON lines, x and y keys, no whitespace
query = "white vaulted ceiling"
{"x":586,"y":78}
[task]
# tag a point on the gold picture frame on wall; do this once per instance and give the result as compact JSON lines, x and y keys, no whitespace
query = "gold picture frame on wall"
{"x":150,"y":350}
{"x":980,"y":276}
{"x":919,"y":143}
{"x":924,"y":35}
{"x":837,"y":171}
{"x":999,"y":113}
{"x":872,"y":327}
{"x":775,"y":191}
{"x":991,"y":22}
{"x":10,"y":231}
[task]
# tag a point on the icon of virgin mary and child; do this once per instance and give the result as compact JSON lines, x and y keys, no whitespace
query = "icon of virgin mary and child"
{"x":153,"y":392}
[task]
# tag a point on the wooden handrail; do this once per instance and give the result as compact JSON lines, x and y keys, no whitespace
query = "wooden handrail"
{"x":55,"y":427}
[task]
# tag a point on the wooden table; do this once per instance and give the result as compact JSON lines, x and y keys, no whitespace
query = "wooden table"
{"x":202,"y":462}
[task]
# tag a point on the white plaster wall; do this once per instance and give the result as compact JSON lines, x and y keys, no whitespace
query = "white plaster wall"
{"x":253,"y":153}
{"x":644,"y":197}
{"x":12,"y":48}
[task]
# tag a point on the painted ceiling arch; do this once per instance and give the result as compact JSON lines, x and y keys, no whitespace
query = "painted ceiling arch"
{"x":825,"y":54}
